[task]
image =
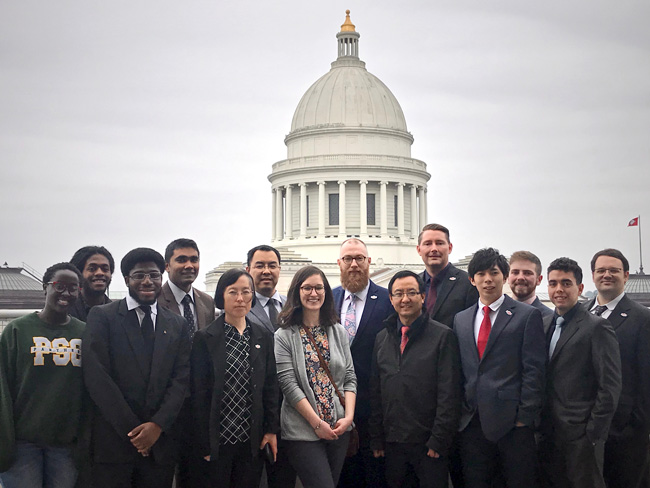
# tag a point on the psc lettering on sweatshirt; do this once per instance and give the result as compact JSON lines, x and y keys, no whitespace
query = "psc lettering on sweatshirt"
{"x":62,"y":351}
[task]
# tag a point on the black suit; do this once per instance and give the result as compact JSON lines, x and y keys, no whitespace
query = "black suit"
{"x":542,"y":308}
{"x":363,"y":469}
{"x":582,"y":390}
{"x":455,"y":293}
{"x":128,"y":391}
{"x":626,"y":449}
{"x":208,"y":362}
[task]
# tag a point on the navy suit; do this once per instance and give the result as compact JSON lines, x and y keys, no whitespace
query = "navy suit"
{"x":502,"y":388}
{"x":363,"y":469}
{"x":626,"y":449}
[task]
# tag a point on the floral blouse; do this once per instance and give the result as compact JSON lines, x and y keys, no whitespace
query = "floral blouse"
{"x":318,"y":379}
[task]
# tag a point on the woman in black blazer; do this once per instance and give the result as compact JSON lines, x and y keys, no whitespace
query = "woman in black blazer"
{"x":234,"y":389}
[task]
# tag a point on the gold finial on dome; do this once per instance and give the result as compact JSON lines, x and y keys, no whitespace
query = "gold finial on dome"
{"x":347,"y":26}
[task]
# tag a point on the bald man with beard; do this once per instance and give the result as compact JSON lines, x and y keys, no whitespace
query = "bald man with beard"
{"x":363,"y":306}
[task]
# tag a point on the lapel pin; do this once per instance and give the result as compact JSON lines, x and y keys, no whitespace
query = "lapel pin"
{"x":373,"y":297}
{"x":257,"y":346}
{"x":623,"y":314}
{"x":508,"y":312}
{"x":452,"y":278}
{"x":164,"y":331}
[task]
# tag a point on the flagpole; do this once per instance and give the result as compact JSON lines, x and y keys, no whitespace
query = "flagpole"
{"x":640,"y":249}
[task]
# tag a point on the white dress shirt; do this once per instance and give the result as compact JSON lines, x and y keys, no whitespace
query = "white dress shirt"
{"x":132,"y":303}
{"x":610,"y":306}
{"x":359,"y":305}
{"x":179,"y":295}
{"x":494,"y":311}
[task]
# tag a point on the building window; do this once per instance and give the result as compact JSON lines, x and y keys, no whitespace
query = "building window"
{"x":395,"y":208}
{"x":307,"y":209}
{"x":334,"y":208}
{"x":370,"y":206}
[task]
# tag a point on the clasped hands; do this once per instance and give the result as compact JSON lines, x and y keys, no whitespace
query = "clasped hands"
{"x":144,"y":436}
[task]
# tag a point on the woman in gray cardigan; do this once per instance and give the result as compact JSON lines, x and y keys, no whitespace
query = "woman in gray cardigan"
{"x":314,"y":423}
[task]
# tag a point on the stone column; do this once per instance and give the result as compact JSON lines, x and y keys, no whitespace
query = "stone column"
{"x":303,"y":210}
{"x":273,"y":215}
{"x":342,"y":213}
{"x":288,"y":231}
{"x":279,"y":231}
{"x":321,"y":209}
{"x":363,"y":209}
{"x":423,"y":207}
{"x":383,"y":209}
{"x":400,"y":209}
{"x":414,"y":211}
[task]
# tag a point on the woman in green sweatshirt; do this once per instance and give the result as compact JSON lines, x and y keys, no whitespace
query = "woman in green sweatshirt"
{"x":41,"y":388}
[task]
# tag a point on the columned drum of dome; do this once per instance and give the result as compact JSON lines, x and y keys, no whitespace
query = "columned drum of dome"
{"x":349,"y":170}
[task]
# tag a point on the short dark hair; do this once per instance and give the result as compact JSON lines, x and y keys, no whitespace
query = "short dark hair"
{"x":264,"y":248}
{"x":567,"y":265}
{"x":141,"y":255}
{"x":179,"y":244}
{"x":51,"y":271}
{"x":439,"y":227}
{"x":82,"y":255}
{"x":612,"y":253}
{"x":527,"y":256}
{"x":405,"y":274}
{"x":292,"y":312}
{"x":228,"y":278}
{"x":484,"y":259}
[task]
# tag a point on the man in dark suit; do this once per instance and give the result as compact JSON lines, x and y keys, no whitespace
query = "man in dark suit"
{"x":582,"y":387}
{"x":524,"y":278}
{"x":503,"y":356}
{"x":626,"y":449}
{"x":448,"y":291}
{"x":136,"y":369}
{"x":263,"y":263}
{"x":363,"y":306}
{"x":182,"y":260}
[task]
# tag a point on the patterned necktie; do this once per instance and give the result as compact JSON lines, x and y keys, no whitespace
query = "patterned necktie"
{"x":146,"y":328}
{"x":432,"y":296}
{"x":556,"y":336}
{"x":484,"y":331}
{"x":189,"y":316}
{"x":405,"y":339}
{"x":273,"y":312}
{"x":599,"y":310}
{"x":351,"y":319}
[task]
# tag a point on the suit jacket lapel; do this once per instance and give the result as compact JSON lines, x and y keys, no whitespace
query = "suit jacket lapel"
{"x":170,"y":302}
{"x":620,"y":313}
{"x":465,"y":332}
{"x":260,"y":314}
{"x":368,"y":309}
{"x":506,"y":312}
{"x":131,"y":326}
{"x":571,"y":328}
{"x":161,"y":344}
{"x":445,"y":288}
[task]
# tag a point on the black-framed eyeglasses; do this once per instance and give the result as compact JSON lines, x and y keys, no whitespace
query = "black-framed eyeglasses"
{"x":400,"y":294}
{"x":307,"y":289}
{"x":139,"y":276}
{"x":357,"y":259}
{"x":60,"y":287}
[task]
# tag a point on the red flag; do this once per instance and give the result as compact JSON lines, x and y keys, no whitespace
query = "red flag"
{"x":634,"y":222}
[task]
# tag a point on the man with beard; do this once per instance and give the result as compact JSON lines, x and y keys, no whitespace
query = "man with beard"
{"x":96,"y":266}
{"x":525,"y":276}
{"x":363,"y":307}
{"x":136,"y":370}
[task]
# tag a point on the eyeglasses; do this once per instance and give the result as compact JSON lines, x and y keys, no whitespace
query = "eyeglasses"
{"x":245,"y":294}
{"x":270,"y":266}
{"x":400,"y":294}
{"x":60,"y":287}
{"x":612,"y":271}
{"x":357,"y":259}
{"x":154,"y":276}
{"x":307,"y":289}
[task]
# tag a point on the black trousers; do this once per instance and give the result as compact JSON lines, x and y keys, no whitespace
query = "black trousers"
{"x":363,"y":470}
{"x":402,"y":458}
{"x":626,"y":461}
{"x":142,"y":473}
{"x":281,"y":473}
{"x":236,"y":467}
{"x":515,"y":454}
{"x":574,"y":463}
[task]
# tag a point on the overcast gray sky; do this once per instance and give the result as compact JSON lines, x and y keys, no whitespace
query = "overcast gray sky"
{"x":132,"y":123}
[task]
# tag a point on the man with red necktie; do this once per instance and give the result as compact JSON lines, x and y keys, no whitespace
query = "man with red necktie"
{"x":503,"y":357}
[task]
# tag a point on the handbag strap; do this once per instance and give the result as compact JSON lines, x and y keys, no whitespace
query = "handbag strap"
{"x":323,"y":364}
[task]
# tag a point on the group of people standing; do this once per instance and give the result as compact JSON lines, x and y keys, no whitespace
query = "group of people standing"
{"x":440,"y":375}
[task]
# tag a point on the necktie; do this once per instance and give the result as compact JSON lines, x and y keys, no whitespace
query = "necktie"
{"x":189,"y":316}
{"x":599,"y":310}
{"x":404,"y":340}
{"x":146,"y":328}
{"x":273,"y":312}
{"x":556,"y":335}
{"x":351,"y":319}
{"x":484,"y":331}
{"x":432,"y":296}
